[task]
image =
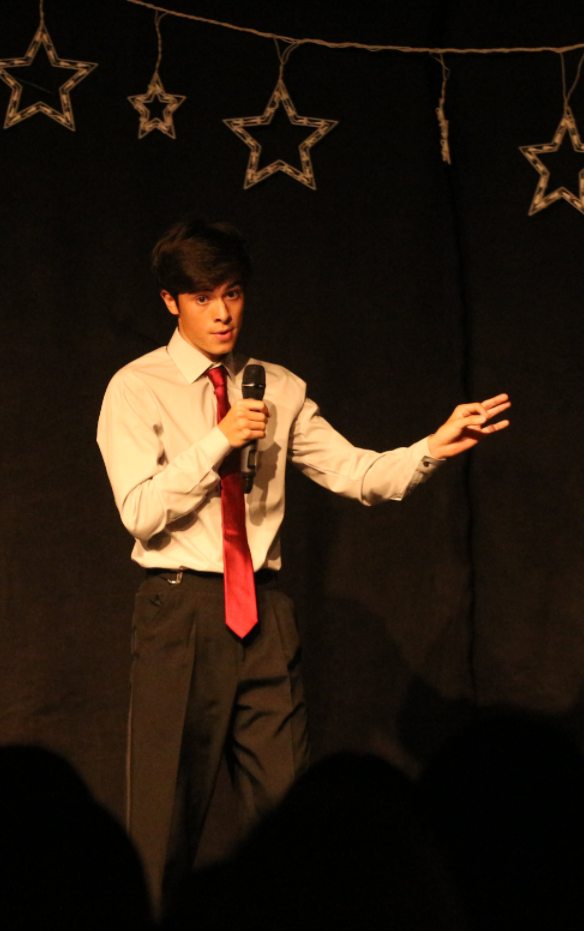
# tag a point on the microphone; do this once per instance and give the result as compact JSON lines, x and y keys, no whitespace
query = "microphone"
{"x":253,"y":386}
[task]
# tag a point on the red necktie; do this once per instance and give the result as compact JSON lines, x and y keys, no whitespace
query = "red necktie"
{"x":241,"y":612}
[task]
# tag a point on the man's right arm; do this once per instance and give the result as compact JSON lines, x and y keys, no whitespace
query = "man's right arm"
{"x":150,"y":489}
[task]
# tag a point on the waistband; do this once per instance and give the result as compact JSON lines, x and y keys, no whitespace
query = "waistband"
{"x":175,"y":577}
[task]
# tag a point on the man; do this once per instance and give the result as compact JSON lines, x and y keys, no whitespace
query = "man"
{"x":216,"y":659}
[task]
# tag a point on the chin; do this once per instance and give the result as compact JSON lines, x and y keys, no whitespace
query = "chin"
{"x":223,"y":348}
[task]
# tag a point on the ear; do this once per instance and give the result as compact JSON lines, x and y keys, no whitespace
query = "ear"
{"x":170,"y":302}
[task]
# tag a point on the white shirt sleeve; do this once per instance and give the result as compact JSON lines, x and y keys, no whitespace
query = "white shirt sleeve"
{"x":321,"y":453}
{"x":150,"y":491}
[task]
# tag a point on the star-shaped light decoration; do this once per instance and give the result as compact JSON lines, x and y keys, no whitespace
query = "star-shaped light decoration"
{"x":254,"y":174}
{"x":541,"y":200}
{"x":63,"y":116}
{"x":148,"y":123}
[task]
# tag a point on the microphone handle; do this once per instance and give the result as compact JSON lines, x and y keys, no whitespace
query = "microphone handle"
{"x":254,"y":386}
{"x":249,"y":454}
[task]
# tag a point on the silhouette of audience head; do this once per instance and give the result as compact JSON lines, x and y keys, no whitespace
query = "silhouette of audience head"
{"x":344,"y":849}
{"x":506,"y":799}
{"x":65,"y":863}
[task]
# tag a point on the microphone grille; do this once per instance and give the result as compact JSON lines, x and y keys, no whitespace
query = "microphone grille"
{"x":254,"y":375}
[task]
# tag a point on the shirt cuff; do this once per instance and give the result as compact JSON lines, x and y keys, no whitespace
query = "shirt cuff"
{"x":215,"y":446}
{"x":425,"y":452}
{"x":426,"y":466}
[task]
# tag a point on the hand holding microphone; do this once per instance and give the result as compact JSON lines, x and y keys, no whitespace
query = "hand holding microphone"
{"x":245,"y":422}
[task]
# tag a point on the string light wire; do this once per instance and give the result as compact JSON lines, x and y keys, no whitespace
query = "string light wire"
{"x":361,"y":45}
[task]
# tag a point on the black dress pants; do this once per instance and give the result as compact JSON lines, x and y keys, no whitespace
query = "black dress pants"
{"x":199,"y":691}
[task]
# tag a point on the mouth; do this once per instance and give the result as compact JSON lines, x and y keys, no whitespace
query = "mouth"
{"x":223,"y":335}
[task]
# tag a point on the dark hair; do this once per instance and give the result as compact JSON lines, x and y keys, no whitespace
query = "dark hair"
{"x":194,"y":255}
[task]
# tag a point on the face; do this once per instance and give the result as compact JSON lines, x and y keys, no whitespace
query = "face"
{"x":209,"y":320}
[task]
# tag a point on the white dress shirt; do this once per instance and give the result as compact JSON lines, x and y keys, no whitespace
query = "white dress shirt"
{"x":162,"y":448}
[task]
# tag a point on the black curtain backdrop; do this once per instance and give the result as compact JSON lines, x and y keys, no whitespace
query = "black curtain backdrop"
{"x":399,"y":288}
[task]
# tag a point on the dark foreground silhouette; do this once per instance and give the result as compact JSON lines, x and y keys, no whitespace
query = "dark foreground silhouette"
{"x":506,"y":799}
{"x":491,"y":838}
{"x":65,"y":863}
{"x":344,"y":850}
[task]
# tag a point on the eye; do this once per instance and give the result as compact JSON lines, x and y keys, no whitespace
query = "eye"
{"x":201,"y":299}
{"x":234,"y":294}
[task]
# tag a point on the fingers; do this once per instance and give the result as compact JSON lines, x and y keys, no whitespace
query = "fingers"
{"x":251,"y":404}
{"x":479,"y":431}
{"x":245,"y":421}
{"x":495,"y":406}
{"x":469,"y":420}
{"x":467,"y":425}
{"x":472,"y":407}
{"x":251,"y":412}
{"x":250,"y":422}
{"x":489,"y":408}
{"x":498,"y":400}
{"x":493,"y":427}
{"x":493,"y":411}
{"x":254,"y":409}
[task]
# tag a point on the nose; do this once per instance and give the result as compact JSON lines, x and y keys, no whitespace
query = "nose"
{"x":222,"y":311}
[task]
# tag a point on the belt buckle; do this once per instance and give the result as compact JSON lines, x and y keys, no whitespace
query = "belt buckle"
{"x":178,"y":580}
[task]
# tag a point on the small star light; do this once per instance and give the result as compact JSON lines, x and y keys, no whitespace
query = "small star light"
{"x":541,"y":200}
{"x":254,"y":174}
{"x":81,"y":68}
{"x":156,"y":91}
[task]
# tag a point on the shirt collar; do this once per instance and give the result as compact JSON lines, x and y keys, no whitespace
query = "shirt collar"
{"x":191,"y":362}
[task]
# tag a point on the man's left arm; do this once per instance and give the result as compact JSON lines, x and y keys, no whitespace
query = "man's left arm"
{"x":326,"y":457}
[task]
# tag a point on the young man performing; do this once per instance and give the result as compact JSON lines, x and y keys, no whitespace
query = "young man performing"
{"x":215,"y":652}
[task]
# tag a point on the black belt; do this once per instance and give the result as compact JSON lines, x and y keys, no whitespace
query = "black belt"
{"x":262,"y":576}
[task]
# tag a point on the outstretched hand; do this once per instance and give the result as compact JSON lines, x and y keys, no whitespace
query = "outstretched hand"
{"x":467,"y":425}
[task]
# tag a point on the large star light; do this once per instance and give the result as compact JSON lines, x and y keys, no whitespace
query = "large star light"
{"x":254,"y":174}
{"x":541,"y":200}
{"x":148,"y":123}
{"x":63,"y":116}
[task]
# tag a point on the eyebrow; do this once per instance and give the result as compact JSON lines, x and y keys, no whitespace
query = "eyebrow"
{"x":232,"y":284}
